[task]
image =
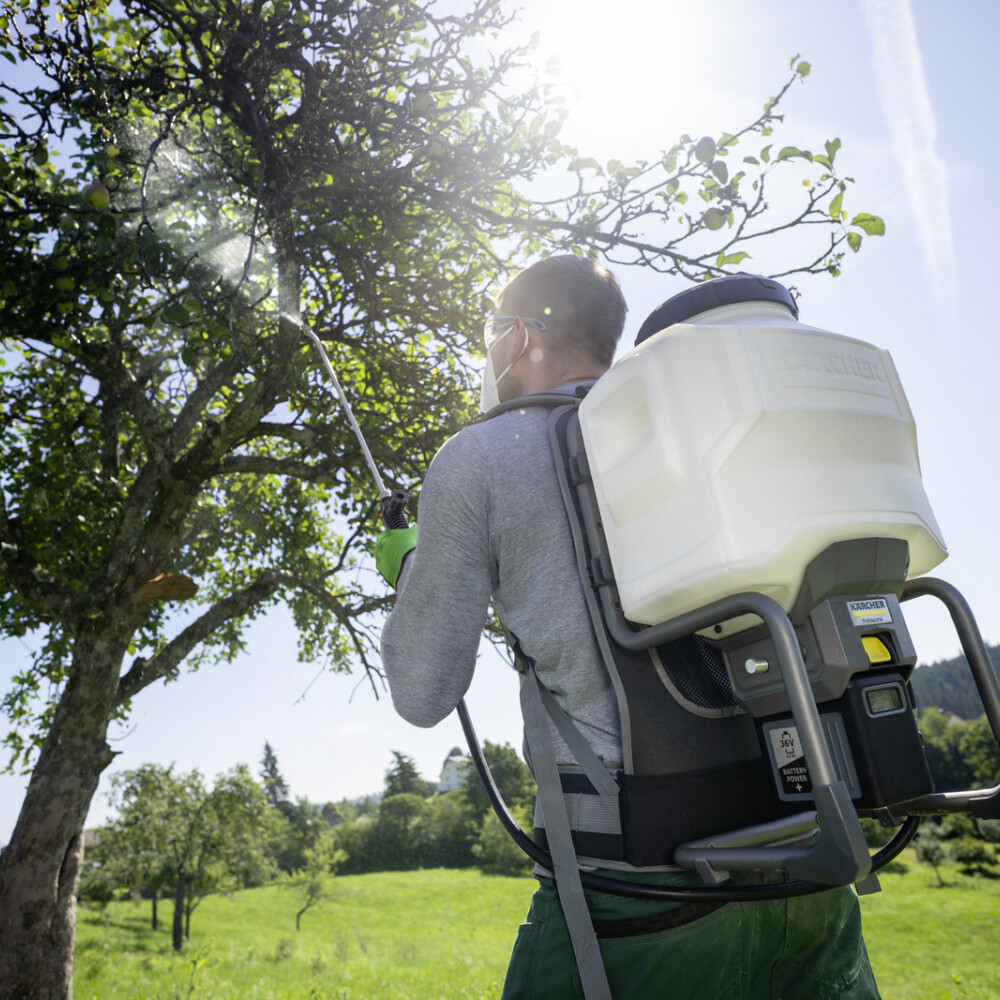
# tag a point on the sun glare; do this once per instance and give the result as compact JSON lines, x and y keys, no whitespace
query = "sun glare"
{"x":634,"y":74}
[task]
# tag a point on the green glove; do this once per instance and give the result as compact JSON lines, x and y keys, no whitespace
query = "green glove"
{"x":390,"y":549}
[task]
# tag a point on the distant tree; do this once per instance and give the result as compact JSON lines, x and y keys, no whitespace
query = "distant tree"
{"x":960,"y":754}
{"x":172,"y":830}
{"x":452,"y":833}
{"x":232,"y":847}
{"x":297,"y":829}
{"x":354,"y":837}
{"x":275,"y":786}
{"x":403,"y":778}
{"x":973,"y":856}
{"x":400,"y":835}
{"x":942,"y":747}
{"x":150,"y":801}
{"x":496,"y":852}
{"x":930,"y":850}
{"x":948,"y":685}
{"x":312,"y":881}
{"x":978,"y":748}
{"x":512,"y":777}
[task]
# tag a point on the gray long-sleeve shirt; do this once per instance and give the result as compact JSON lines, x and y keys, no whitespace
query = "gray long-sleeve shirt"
{"x":493,"y":525}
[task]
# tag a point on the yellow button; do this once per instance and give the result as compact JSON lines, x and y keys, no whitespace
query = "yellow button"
{"x":876,"y":649}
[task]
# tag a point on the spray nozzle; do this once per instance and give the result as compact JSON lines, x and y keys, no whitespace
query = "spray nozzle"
{"x":393,"y":509}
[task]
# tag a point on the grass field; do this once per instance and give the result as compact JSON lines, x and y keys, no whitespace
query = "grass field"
{"x":446,"y":935}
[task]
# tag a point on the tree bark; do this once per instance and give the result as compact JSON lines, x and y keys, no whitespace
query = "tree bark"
{"x":178,"y":926}
{"x":155,"y":922}
{"x":40,"y":869}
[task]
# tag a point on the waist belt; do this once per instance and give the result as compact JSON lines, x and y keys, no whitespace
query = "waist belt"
{"x":594,"y":820}
{"x":652,"y":815}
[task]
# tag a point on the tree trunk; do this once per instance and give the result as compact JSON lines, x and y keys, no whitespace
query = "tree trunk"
{"x":179,"y":893}
{"x":156,"y":893}
{"x":40,"y":869}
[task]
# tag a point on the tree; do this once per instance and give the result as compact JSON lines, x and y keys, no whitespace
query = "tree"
{"x":184,"y":184}
{"x":132,"y":851}
{"x":312,"y":880}
{"x":275,"y":786}
{"x":171,"y":831}
{"x":496,"y":852}
{"x":298,"y":828}
{"x":511,"y":775}
{"x":403,"y":778}
{"x":960,"y":754}
{"x":401,"y":835}
{"x":930,"y":851}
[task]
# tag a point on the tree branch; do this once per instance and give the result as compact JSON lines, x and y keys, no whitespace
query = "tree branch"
{"x":261,"y":465}
{"x":144,"y":672}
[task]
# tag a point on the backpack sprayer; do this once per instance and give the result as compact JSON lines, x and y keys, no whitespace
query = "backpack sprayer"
{"x":789,"y":456}
{"x":745,"y":497}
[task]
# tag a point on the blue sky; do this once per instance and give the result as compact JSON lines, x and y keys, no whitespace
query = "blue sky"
{"x":911,"y":89}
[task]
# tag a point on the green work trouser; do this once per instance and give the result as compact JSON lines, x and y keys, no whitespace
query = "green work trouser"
{"x":798,"y":948}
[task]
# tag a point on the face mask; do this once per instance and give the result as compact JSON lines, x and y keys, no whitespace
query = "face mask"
{"x":490,"y":395}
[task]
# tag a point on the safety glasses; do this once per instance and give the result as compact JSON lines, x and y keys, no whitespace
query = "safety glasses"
{"x":496,"y":326}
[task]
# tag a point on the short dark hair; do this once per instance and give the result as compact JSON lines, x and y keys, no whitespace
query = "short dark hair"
{"x":579,"y":302}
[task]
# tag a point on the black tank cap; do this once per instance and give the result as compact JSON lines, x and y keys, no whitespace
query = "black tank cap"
{"x":707,"y":295}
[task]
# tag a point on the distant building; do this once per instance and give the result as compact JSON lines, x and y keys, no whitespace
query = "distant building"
{"x":454,"y":771}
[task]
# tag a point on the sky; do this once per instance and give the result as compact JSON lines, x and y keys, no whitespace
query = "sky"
{"x":911,"y":88}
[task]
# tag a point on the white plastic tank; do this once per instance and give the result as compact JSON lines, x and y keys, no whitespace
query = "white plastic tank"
{"x":734,"y":444}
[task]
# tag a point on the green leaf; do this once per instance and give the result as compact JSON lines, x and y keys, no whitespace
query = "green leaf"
{"x":832,"y":145}
{"x":731,"y":258}
{"x":835,"y":204}
{"x":870,"y":224}
{"x":176,"y":314}
{"x":765,"y":154}
{"x":721,"y":171}
{"x":792,"y":151}
{"x":803,"y":69}
{"x":751,"y":159}
{"x":854,"y":241}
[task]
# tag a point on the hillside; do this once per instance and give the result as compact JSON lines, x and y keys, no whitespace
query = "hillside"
{"x":948,"y":685}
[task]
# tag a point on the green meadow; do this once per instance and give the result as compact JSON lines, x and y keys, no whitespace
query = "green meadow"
{"x":446,"y":935}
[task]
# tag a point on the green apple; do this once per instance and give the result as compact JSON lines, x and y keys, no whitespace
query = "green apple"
{"x":704,"y":151}
{"x":714,"y":218}
{"x":97,"y":196}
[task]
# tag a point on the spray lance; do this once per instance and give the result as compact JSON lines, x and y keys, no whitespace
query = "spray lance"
{"x":392,"y":507}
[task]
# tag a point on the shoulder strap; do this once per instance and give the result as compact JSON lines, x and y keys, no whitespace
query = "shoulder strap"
{"x":586,"y":950}
{"x":553,"y":397}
